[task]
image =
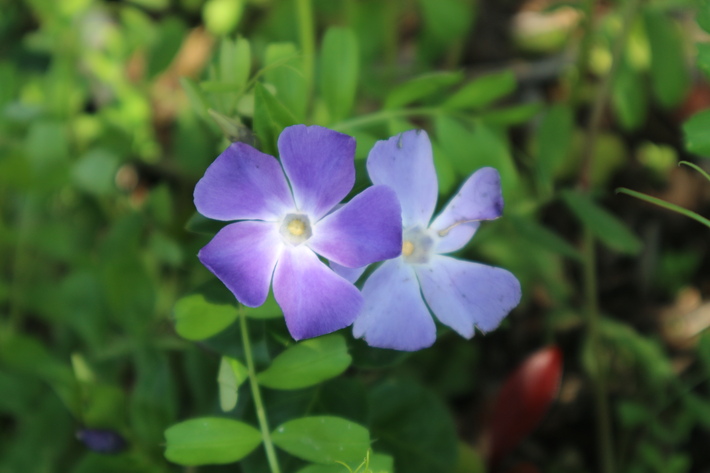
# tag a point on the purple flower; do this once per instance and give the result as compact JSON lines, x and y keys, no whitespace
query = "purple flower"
{"x":102,"y":440}
{"x":402,"y":293}
{"x":282,"y":229}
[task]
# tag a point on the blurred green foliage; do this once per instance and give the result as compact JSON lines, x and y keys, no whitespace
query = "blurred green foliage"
{"x":111,"y":110}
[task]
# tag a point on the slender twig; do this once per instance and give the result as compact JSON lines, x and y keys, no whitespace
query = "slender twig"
{"x":603,"y":415}
{"x":256,"y":393}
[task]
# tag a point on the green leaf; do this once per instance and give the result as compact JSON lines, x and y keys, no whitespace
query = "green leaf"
{"x":235,"y":62}
{"x":446,"y":21}
{"x":323,"y":439}
{"x":205,"y":312}
{"x":232,"y":373}
{"x":703,"y":58}
{"x":171,"y":32}
{"x":268,"y":310}
{"x":210,"y":440}
{"x":339,"y":69}
{"x":536,"y":233}
{"x":697,"y":133}
{"x":421,"y":87}
{"x":95,"y":172}
{"x":513,"y":115}
{"x":628,"y":97}
{"x":222,"y":16}
{"x":376,"y":463}
{"x":195,"y":96}
{"x":670,"y":78}
{"x":270,"y":118}
{"x":471,"y":149}
{"x":307,"y":363}
{"x":703,"y":17}
{"x":200,"y":224}
{"x":482,"y":91}
{"x":284,"y":70}
{"x":554,"y":142}
{"x":610,"y":231}
{"x":412,"y":424}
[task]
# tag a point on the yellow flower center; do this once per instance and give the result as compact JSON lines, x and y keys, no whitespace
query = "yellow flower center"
{"x":407,"y":248}
{"x":296,"y":227}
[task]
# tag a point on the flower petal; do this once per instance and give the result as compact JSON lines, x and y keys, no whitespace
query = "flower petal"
{"x":365,"y":230}
{"x":243,"y":183}
{"x":394,"y":314}
{"x":480,"y":198}
{"x":314,"y":299}
{"x":463,"y":294}
{"x":320,"y":163}
{"x":243,"y":255}
{"x":350,"y":274}
{"x":405,"y":163}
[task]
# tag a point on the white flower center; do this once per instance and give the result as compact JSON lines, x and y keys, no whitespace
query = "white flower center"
{"x":296,"y":228}
{"x":417,"y":246}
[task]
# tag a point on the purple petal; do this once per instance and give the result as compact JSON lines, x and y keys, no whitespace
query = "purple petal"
{"x":241,"y":184}
{"x":314,"y":299}
{"x":365,"y":230}
{"x":406,"y":164}
{"x":320,"y":163}
{"x":243,"y":255}
{"x":394,"y":314}
{"x":350,"y":274}
{"x":463,"y":294}
{"x":102,"y":440}
{"x":480,"y":198}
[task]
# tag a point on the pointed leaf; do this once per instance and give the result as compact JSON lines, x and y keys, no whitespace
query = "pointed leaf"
{"x":421,"y":87}
{"x":205,"y":312}
{"x":611,"y":231}
{"x":270,"y":118}
{"x":482,"y":91}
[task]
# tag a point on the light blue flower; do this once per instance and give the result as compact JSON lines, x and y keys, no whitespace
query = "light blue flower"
{"x":401,"y":294}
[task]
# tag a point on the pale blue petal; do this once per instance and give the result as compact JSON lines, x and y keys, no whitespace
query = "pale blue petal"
{"x":394,"y":314}
{"x":480,"y":198}
{"x":350,"y":274}
{"x":405,"y":163}
{"x":463,"y":294}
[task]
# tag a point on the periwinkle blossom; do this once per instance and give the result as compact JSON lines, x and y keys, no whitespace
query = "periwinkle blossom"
{"x":281,"y":229}
{"x":401,"y":294}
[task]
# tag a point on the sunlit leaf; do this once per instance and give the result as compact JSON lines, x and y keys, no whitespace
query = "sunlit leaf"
{"x":284,"y":70}
{"x":482,"y":91}
{"x":209,"y":441}
{"x":339,"y":71}
{"x":232,"y":373}
{"x":307,"y":363}
{"x":323,"y":439}
{"x":205,"y":312}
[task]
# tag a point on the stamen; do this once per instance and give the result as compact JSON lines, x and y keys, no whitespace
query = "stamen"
{"x":407,"y":248}
{"x":296,"y":227}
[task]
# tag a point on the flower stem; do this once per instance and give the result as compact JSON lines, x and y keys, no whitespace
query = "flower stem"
{"x":256,"y":394}
{"x":306,"y":31}
{"x":603,"y":415}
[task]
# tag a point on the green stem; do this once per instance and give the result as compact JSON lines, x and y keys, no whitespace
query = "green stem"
{"x":307,"y":35}
{"x":256,"y":394}
{"x":384,"y":115}
{"x":603,"y":415}
{"x":601,"y":400}
{"x":665,"y":205}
